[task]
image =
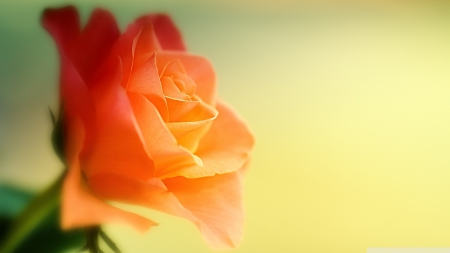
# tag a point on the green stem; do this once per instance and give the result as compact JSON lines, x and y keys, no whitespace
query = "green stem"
{"x":33,"y":214}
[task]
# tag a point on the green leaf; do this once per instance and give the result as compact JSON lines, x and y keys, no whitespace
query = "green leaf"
{"x":58,"y":133}
{"x":13,"y":200}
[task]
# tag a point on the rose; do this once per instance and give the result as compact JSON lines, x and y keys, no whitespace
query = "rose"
{"x":143,"y":125}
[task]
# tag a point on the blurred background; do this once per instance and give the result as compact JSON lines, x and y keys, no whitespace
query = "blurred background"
{"x":349,"y":102}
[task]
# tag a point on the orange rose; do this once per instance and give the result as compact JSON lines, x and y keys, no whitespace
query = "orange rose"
{"x":143,"y":125}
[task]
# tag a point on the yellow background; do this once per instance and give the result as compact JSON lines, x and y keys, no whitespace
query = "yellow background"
{"x":349,"y":102}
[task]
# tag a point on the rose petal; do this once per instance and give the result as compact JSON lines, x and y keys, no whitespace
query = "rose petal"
{"x":223,"y":149}
{"x":76,"y":100}
{"x":226,"y":146}
{"x":124,"y":49}
{"x":79,"y":208}
{"x":189,"y":110}
{"x":95,"y":42}
{"x":216,"y":202}
{"x":145,"y":45}
{"x":151,"y":193}
{"x":168,"y":155}
{"x":171,"y":90}
{"x":135,"y":47}
{"x":88,"y":49}
{"x":178,"y":109}
{"x":189,"y":121}
{"x":64,"y":26}
{"x":145,"y":81}
{"x":175,"y":70}
{"x":168,"y":35}
{"x":198,"y":69}
{"x":119,"y":146}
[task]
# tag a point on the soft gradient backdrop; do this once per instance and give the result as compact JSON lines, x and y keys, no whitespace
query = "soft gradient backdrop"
{"x":349,"y":102}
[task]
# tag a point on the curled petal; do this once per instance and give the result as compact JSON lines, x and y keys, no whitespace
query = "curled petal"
{"x":198,"y":68}
{"x":189,"y":121}
{"x":145,"y":81}
{"x":124,"y":49}
{"x":171,"y":90}
{"x":226,"y":146}
{"x":145,"y":45}
{"x":135,"y":47}
{"x":169,"y":157}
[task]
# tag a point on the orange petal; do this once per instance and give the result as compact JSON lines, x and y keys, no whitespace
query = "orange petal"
{"x":175,"y":70}
{"x":168,"y":35}
{"x":145,"y":80}
{"x":216,"y":202}
{"x":123,"y":49}
{"x":187,"y":110}
{"x":119,"y":146}
{"x":189,"y":121}
{"x":170,"y":89}
{"x":226,"y":146}
{"x":80,"y":208}
{"x":198,"y":69}
{"x":145,"y":45}
{"x":168,"y":155}
{"x":135,"y":47}
{"x":151,"y":193}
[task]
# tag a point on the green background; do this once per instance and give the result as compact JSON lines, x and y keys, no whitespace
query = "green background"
{"x":349,"y":102}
